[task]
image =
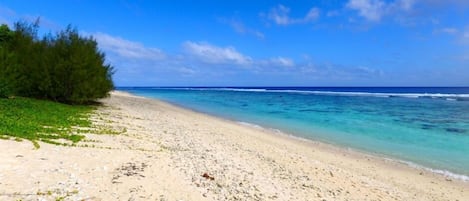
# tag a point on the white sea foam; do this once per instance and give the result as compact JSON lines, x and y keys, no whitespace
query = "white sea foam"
{"x":449,"y":97}
{"x":250,"y":125}
{"x":445,"y":173}
{"x":215,"y":89}
{"x":273,"y":130}
{"x":247,"y":90}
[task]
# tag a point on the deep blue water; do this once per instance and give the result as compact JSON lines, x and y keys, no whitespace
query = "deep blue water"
{"x":423,"y":125}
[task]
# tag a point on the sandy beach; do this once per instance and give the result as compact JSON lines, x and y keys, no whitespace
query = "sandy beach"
{"x":166,"y":152}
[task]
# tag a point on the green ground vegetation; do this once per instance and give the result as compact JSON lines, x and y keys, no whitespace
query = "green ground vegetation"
{"x":62,"y":74}
{"x":45,"y":121}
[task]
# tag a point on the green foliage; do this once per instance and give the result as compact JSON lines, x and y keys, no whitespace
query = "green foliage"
{"x":65,"y":67}
{"x":5,"y":77}
{"x":6,"y":58}
{"x":39,"y":120}
{"x":5,"y":34}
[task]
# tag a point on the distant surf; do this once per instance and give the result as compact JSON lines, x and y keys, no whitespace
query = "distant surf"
{"x":446,"y":96}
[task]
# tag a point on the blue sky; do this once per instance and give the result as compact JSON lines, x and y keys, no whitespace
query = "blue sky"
{"x":268,"y":43}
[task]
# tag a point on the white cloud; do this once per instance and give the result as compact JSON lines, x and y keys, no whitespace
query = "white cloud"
{"x":259,"y":34}
{"x":312,"y":15}
{"x":213,"y":55}
{"x":216,"y":55}
{"x":461,"y":34}
{"x":465,"y":36}
{"x":239,"y":27}
{"x":137,"y":63}
{"x":126,"y":48}
{"x":449,"y":30}
{"x":280,"y":15}
{"x":406,"y":4}
{"x":200,"y":58}
{"x":186,"y":71}
{"x":282,"y":61}
{"x":366,"y":71}
{"x":338,"y":72}
{"x":372,"y":10}
{"x":375,"y":10}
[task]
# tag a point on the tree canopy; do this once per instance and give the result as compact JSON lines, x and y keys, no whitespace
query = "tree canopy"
{"x":65,"y":67}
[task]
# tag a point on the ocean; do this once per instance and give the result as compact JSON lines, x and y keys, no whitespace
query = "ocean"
{"x":426,"y":127}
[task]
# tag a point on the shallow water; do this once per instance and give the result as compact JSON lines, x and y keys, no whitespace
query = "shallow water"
{"x":425,"y":126}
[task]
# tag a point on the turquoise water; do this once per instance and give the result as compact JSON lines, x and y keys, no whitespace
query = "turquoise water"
{"x":428,"y":129}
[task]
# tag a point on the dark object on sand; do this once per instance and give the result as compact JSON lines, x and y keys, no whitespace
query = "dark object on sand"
{"x":207,"y":176}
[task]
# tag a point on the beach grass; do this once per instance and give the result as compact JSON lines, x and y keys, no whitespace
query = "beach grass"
{"x":45,"y":121}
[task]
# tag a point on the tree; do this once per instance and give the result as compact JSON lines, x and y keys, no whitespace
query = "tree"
{"x":80,"y":68}
{"x":6,"y":58}
{"x":65,"y":67}
{"x":5,"y":34}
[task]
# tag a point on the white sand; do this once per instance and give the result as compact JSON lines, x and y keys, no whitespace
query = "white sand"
{"x":166,"y":150}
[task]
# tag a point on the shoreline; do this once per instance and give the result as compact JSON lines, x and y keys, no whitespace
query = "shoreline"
{"x":171,"y":153}
{"x":279,"y":133}
{"x":440,"y":172}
